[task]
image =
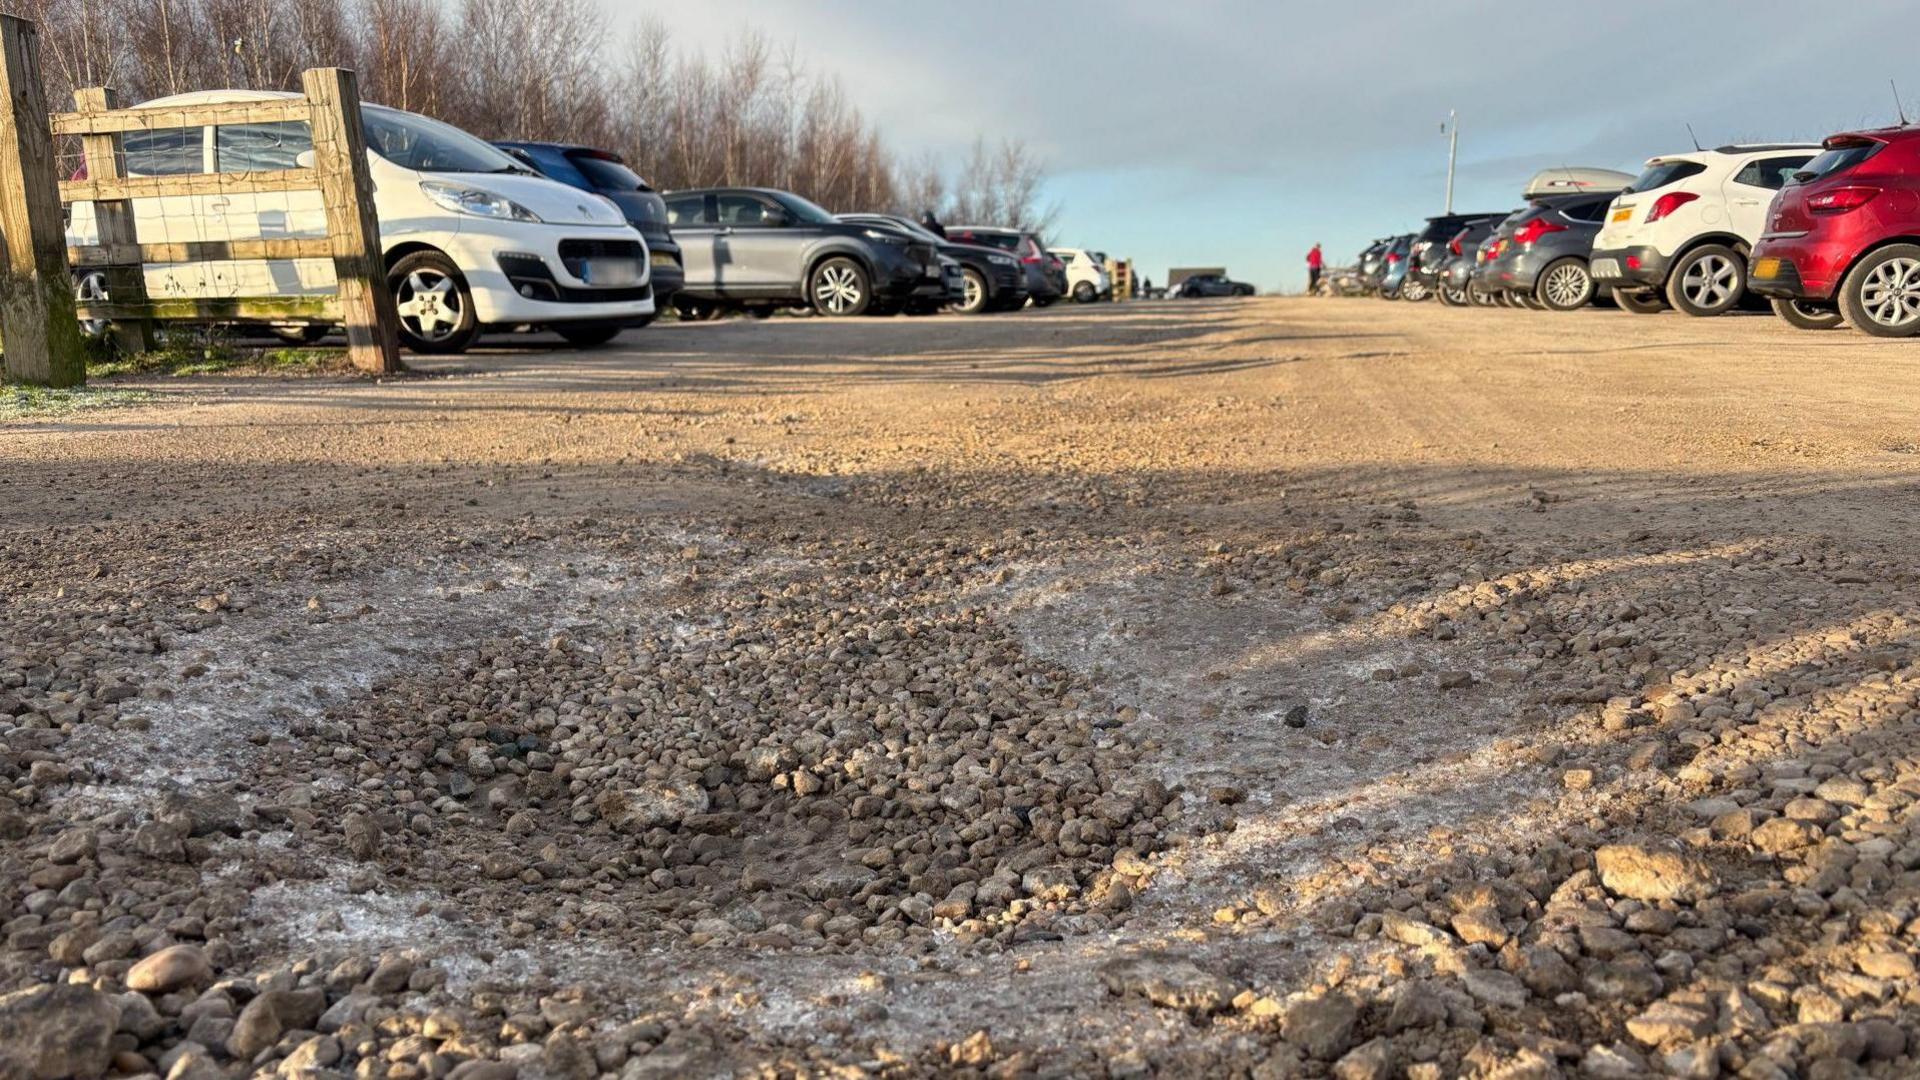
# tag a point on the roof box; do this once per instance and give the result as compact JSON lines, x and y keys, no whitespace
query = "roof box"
{"x":1572,"y":181}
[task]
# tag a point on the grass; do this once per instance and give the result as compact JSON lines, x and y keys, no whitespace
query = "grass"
{"x":40,"y":403}
{"x":185,"y":351}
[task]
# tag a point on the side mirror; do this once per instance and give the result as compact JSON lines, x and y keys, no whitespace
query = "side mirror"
{"x":304,"y":159}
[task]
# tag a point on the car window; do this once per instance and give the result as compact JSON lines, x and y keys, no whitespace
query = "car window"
{"x":555,"y":166}
{"x":687,"y":210}
{"x":743,"y":210}
{"x":1662,"y":173}
{"x":165,"y":151}
{"x":1771,"y":173}
{"x":260,"y":147}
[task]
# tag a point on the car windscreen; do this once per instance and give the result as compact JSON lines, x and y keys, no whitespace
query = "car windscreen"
{"x":606,"y":175}
{"x":902,"y":225}
{"x":1661,"y":173}
{"x":1838,"y":158}
{"x":412,"y":141}
{"x":803,"y":211}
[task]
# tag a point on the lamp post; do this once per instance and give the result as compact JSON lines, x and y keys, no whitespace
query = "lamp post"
{"x":1451,"y":129}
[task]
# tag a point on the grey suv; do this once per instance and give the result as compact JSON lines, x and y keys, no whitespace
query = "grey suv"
{"x":758,"y":249}
{"x":1543,"y":263}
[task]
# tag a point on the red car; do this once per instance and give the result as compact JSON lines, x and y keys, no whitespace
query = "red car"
{"x":1843,"y":239}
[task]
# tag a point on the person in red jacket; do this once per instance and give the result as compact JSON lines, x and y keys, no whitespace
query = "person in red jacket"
{"x":1314,"y":265}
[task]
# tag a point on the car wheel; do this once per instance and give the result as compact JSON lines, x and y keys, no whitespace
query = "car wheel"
{"x":1805,"y":316}
{"x":434,"y":304}
{"x":1564,"y":286}
{"x":976,"y":296}
{"x":588,"y":335}
{"x":1044,"y":301}
{"x":1646,"y":302}
{"x":840,"y":288}
{"x":91,"y":288}
{"x":692,"y":310}
{"x":1707,"y":281}
{"x":311,"y":334}
{"x":1453,"y":296}
{"x":1882,"y":294}
{"x":1085,"y":293}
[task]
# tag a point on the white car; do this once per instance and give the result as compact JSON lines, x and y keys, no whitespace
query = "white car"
{"x":1087,"y":277}
{"x":473,"y":239}
{"x":1680,"y":235}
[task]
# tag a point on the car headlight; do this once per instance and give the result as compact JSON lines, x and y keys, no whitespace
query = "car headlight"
{"x":886,"y":237}
{"x":477,"y":202}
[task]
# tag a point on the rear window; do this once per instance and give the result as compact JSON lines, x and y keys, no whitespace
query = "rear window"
{"x":1662,"y":173}
{"x":607,"y":175}
{"x":1003,"y":241}
{"x":1838,"y":159}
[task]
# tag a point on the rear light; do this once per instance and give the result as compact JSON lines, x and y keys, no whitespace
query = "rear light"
{"x":1841,"y":200}
{"x":1454,"y":247}
{"x":1633,"y":262}
{"x":1533,"y":230}
{"x":1668,"y":203}
{"x":1393,"y":256}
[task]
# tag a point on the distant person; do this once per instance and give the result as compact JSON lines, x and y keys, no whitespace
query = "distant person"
{"x":932,"y":225}
{"x":1315,"y":263}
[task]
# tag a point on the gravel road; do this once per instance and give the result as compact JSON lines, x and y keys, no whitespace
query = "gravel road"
{"x":1274,"y":688}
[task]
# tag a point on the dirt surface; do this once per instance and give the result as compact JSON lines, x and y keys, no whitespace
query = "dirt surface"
{"x":1278,"y":687}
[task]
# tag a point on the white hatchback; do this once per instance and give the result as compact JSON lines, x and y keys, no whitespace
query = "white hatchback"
{"x":473,"y":239}
{"x":1087,"y":277}
{"x":1680,"y":235}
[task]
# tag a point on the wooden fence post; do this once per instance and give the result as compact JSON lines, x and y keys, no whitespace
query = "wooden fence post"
{"x":107,"y":161}
{"x":340,"y":163}
{"x":43,"y":342}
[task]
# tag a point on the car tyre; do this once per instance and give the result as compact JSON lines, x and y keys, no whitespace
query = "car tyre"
{"x":977,"y":296}
{"x":1638,"y":302}
{"x":1881,"y":295}
{"x":1085,"y":293}
{"x":1453,"y":296}
{"x":588,"y":335}
{"x":1707,"y":281}
{"x":434,"y":304}
{"x":311,"y":334}
{"x":1564,"y":285}
{"x":839,"y":288}
{"x":1804,"y":316}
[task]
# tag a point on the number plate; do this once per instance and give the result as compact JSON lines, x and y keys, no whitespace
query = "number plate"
{"x":1605,"y":268}
{"x":661,"y":258}
{"x":1625,"y":213}
{"x":611,"y":273}
{"x":1766,"y":268}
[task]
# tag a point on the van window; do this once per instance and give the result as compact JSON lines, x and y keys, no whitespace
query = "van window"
{"x":165,"y":151}
{"x":260,"y":147}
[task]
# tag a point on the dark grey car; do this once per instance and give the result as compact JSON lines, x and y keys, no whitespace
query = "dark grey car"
{"x":758,"y":249}
{"x":1543,"y":263}
{"x":1455,"y":287}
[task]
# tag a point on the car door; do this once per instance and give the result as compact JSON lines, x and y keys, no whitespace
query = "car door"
{"x":758,"y":247}
{"x":1750,"y":191}
{"x":691,"y":218}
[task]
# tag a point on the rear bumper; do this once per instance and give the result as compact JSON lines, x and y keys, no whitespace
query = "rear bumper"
{"x":1793,"y":268}
{"x":1628,"y":267}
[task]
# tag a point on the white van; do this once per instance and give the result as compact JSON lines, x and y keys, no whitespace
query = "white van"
{"x":1087,"y":277}
{"x":473,"y":239}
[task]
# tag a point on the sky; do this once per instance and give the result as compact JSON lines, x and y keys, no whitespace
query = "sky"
{"x":1237,"y":133}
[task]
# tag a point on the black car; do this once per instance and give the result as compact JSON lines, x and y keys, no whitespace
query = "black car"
{"x":1430,"y":252}
{"x":1455,"y":286}
{"x":1213,"y":285}
{"x":604,"y":173}
{"x":992,"y":280}
{"x":1046,"y":274}
{"x":758,"y":249}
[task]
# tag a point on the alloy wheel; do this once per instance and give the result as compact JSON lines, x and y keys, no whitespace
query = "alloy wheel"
{"x":92,"y":289}
{"x":429,"y":303}
{"x":838,"y":289}
{"x":1567,"y":286}
{"x":1891,"y":294}
{"x":1710,"y":281}
{"x":975,"y":295}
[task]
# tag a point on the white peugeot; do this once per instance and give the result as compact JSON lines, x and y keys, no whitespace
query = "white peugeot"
{"x":1680,"y":235}
{"x":1087,"y":277}
{"x":473,"y":239}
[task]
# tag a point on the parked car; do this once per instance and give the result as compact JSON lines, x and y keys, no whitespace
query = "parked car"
{"x":1393,"y":272}
{"x":474,"y":240}
{"x":1681,"y":234}
{"x":1843,"y":237}
{"x":605,"y":173}
{"x":1213,"y":285}
{"x":1087,"y":277}
{"x":1542,"y":261}
{"x":990,"y":279}
{"x":1046,"y":274}
{"x":757,"y":249}
{"x":1430,"y":250}
{"x":1455,"y":276}
{"x":1372,"y":264}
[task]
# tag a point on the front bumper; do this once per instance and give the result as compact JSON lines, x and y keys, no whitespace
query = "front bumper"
{"x":897,"y":275}
{"x":503,"y":261}
{"x":1628,"y":267}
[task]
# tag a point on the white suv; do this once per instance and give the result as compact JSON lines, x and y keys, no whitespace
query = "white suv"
{"x":473,"y":239}
{"x":1087,"y":277}
{"x":1679,"y":236}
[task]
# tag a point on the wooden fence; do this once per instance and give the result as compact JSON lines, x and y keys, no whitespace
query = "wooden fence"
{"x":38,"y":313}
